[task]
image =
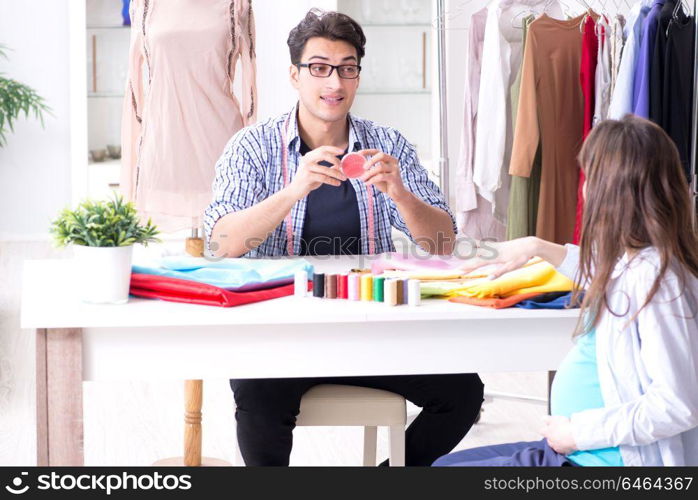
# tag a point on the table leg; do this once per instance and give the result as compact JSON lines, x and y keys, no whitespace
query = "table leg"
{"x":193,"y":396}
{"x":59,"y":424}
{"x":551,"y":376}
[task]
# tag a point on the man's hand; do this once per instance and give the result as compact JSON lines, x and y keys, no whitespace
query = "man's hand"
{"x":558,"y":432}
{"x":383,"y":171}
{"x":311,"y":175}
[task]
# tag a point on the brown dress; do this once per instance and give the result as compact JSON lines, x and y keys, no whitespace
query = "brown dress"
{"x":551,"y":111}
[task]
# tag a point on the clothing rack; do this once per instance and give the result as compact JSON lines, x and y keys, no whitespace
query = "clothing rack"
{"x":444,"y":173}
{"x":694,"y":132}
{"x":444,"y":170}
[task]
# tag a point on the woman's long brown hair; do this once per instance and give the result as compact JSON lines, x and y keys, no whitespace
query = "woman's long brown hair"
{"x":637,"y":196}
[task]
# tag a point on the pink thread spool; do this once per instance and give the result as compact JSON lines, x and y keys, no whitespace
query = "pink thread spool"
{"x":353,"y":165}
{"x":353,"y":287}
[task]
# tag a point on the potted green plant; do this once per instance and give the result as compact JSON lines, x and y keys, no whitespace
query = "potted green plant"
{"x":103,"y":234}
{"x":17,"y":98}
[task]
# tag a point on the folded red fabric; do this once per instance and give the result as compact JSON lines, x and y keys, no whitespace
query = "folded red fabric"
{"x":191,"y":292}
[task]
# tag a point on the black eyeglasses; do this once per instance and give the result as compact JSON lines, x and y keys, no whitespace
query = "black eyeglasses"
{"x":324,"y":70}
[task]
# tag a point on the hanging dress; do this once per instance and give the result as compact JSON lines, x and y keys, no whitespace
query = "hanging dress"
{"x":502,"y":55}
{"x":587,"y":77}
{"x":551,"y":110}
{"x":678,"y":86}
{"x":179,"y":109}
{"x":473,"y":213}
{"x":524,"y":193}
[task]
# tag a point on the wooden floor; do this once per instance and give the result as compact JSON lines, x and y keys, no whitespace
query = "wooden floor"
{"x":137,"y":423}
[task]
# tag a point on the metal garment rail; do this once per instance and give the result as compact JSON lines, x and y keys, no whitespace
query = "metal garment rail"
{"x":444,"y":172}
{"x":694,"y":131}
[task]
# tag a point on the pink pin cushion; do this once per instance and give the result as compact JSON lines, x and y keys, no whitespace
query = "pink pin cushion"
{"x":353,"y":165}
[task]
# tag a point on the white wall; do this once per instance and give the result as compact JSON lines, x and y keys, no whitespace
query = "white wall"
{"x":276,"y":94}
{"x":35,"y":164}
{"x":274,"y":20}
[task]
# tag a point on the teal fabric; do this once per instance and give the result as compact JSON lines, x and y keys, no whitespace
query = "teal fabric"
{"x":576,"y":388}
{"x":231,"y":274}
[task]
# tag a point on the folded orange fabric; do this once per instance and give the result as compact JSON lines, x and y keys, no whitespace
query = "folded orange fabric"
{"x":494,"y":303}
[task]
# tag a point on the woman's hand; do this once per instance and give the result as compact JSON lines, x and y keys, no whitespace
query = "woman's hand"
{"x":506,"y":255}
{"x":558,"y":432}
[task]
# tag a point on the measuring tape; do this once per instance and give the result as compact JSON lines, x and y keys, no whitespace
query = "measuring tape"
{"x":289,"y":219}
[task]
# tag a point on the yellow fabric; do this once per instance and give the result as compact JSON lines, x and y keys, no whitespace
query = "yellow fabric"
{"x":423,"y":275}
{"x":540,"y":278}
{"x":446,"y":274}
{"x":441,"y":288}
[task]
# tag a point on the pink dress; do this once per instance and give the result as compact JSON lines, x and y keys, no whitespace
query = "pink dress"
{"x":179,"y":107}
{"x":473,"y":213}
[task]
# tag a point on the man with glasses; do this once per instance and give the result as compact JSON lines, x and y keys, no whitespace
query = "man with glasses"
{"x":279,"y":190}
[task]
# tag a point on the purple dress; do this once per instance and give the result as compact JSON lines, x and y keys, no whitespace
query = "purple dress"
{"x":641,"y":88}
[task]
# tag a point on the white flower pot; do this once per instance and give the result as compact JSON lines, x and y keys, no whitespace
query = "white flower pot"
{"x":103,"y":274}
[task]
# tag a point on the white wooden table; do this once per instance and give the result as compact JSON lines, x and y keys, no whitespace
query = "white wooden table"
{"x":287,"y":337}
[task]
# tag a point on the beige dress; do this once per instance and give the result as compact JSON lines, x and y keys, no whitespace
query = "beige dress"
{"x":179,"y":108}
{"x":551,"y":112}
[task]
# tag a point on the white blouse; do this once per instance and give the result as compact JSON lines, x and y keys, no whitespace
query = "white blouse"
{"x":622,"y":98}
{"x":648,"y":367}
{"x":602,"y":98}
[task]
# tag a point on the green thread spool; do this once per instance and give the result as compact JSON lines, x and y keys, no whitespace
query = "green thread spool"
{"x":378,"y":289}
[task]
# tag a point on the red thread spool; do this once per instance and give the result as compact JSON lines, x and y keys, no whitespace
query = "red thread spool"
{"x":342,"y":286}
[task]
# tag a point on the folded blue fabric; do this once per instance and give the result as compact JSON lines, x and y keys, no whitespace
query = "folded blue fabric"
{"x":551,"y":300}
{"x":232,"y":274}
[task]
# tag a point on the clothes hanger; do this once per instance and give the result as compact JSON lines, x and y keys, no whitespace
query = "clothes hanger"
{"x":586,"y":14}
{"x":675,"y":14}
{"x":586,"y":5}
{"x":565,"y":9}
{"x":680,"y":5}
{"x":453,"y":14}
{"x":527,"y":12}
{"x":603,"y":23}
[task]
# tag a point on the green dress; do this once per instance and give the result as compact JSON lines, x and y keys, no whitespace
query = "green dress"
{"x":523,"y":195}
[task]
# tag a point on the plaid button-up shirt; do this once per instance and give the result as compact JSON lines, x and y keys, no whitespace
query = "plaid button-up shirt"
{"x":250,"y":170}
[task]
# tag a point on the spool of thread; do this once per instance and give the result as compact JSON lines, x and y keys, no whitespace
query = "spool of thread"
{"x":390,"y":292}
{"x":318,"y":285}
{"x":400,"y":292}
{"x":414,"y":294}
{"x":342,"y":280}
{"x":366,"y":287}
{"x":331,"y":286}
{"x":300,"y":284}
{"x":405,"y":291}
{"x":353,"y":287}
{"x":378,"y":284}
